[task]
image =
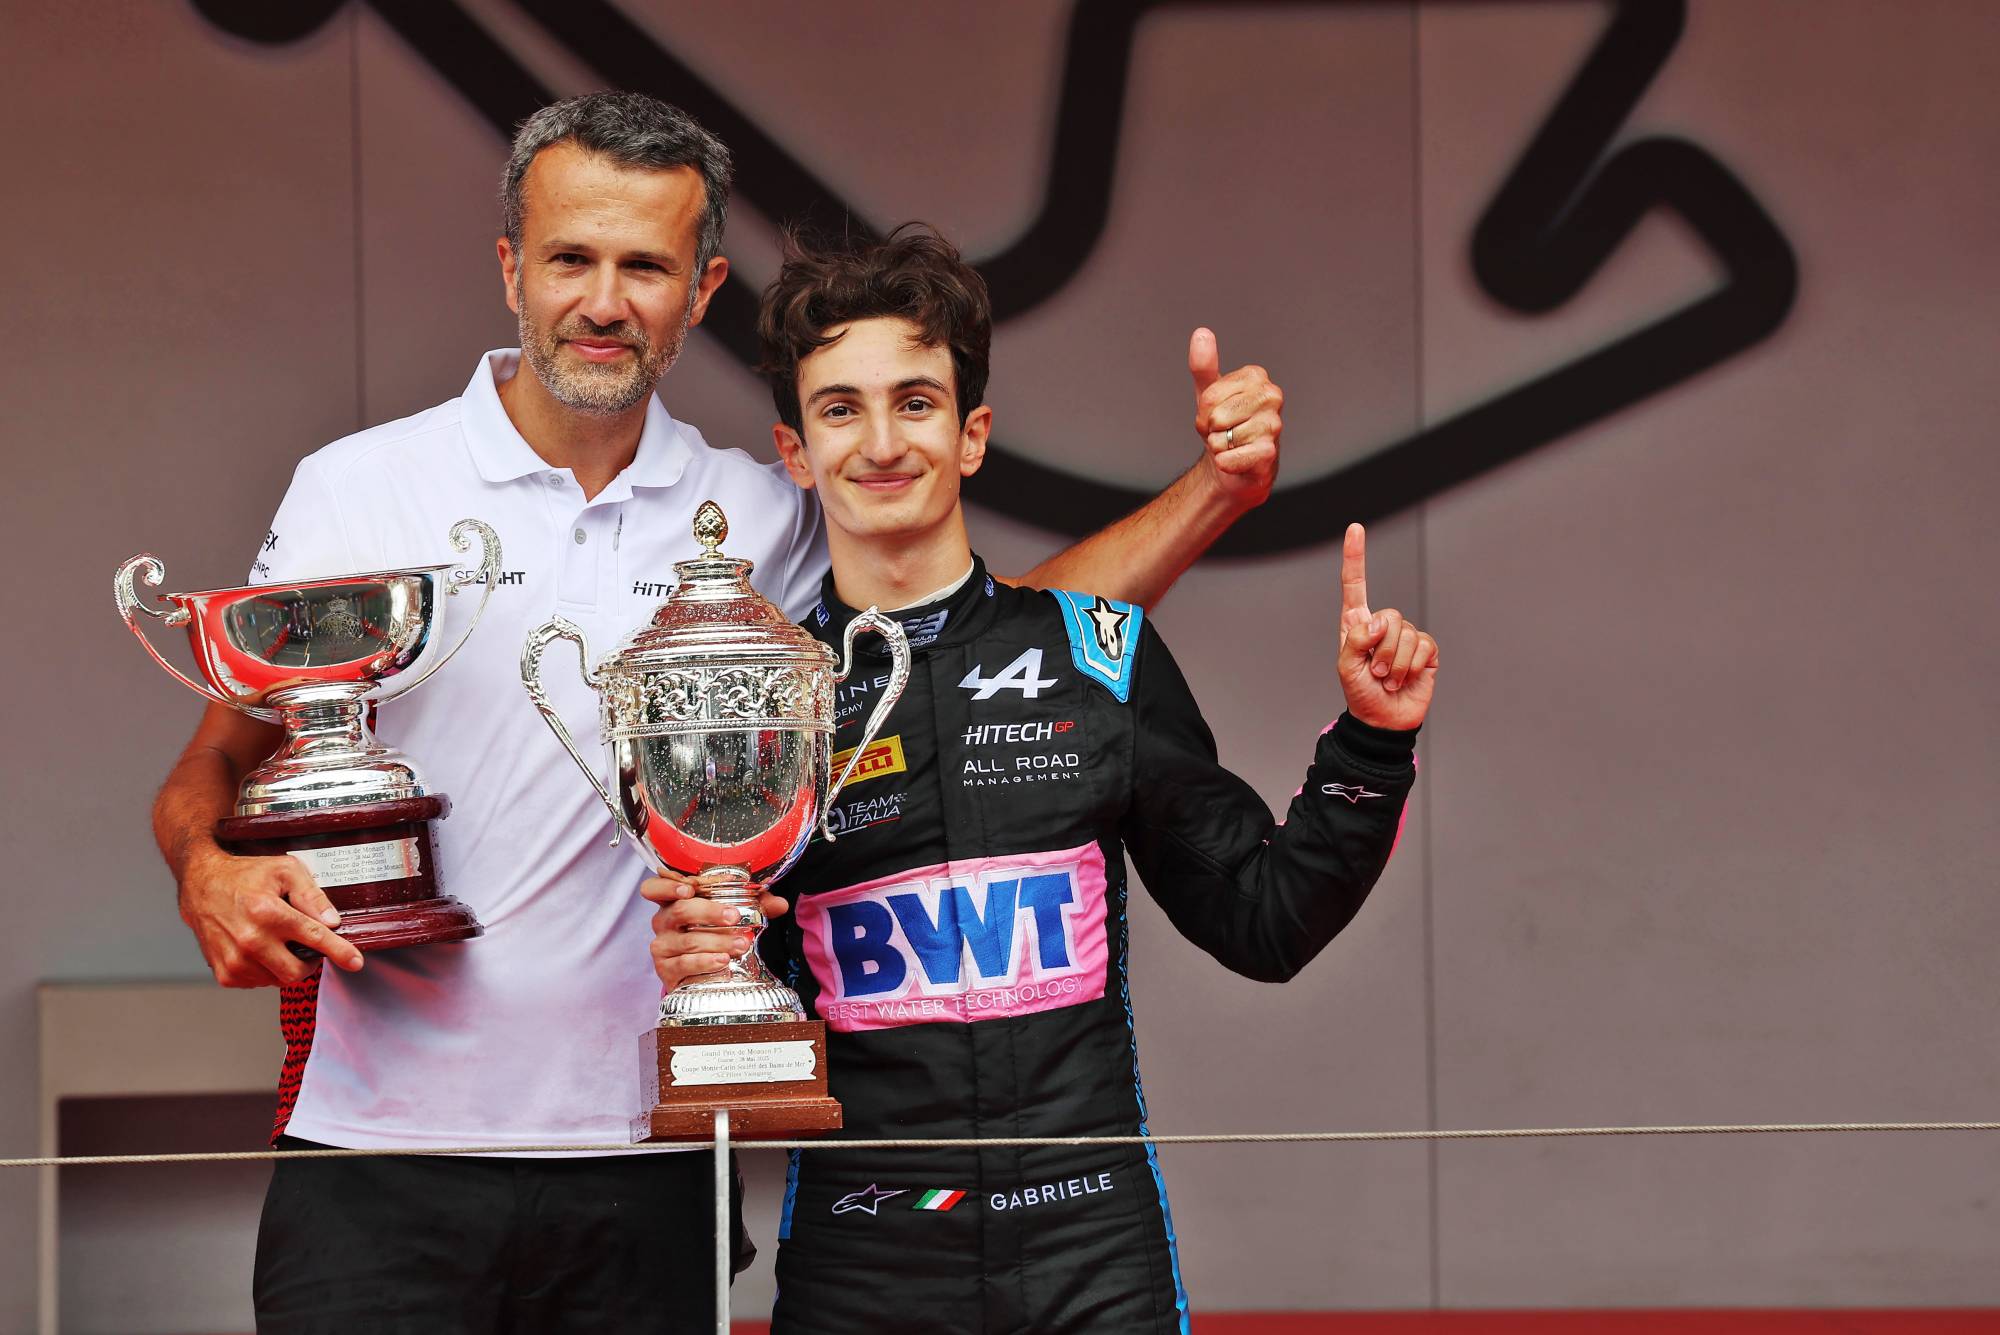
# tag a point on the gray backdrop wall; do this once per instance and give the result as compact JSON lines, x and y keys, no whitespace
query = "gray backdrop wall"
{"x":1702,"y":832}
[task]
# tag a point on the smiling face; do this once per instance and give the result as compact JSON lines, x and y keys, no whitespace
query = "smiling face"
{"x":881,"y":441}
{"x":603,"y":283}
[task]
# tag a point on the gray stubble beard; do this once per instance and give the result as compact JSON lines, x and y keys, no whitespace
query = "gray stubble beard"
{"x":601,"y":391}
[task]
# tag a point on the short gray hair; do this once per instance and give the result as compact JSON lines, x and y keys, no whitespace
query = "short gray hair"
{"x":633,"y":130}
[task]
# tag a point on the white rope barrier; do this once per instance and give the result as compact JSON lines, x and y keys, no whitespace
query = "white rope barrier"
{"x":1010,"y":1142}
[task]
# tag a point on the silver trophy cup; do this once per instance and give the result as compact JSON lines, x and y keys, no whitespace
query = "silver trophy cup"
{"x":313,"y":656}
{"x":718,"y":716}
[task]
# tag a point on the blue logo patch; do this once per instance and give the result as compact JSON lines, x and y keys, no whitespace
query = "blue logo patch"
{"x":1103,"y":638}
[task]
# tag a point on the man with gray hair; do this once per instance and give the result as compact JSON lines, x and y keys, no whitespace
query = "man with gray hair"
{"x":614,"y":206}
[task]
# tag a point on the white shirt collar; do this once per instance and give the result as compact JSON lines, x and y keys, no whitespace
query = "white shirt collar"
{"x":501,"y":455}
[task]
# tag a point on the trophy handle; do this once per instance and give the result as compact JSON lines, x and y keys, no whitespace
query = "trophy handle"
{"x":899,"y":676}
{"x":540,"y":638}
{"x":145,"y":568}
{"x":487,"y":575}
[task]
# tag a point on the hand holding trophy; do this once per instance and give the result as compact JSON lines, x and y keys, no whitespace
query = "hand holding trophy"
{"x":313,"y":655}
{"x":719,"y":719}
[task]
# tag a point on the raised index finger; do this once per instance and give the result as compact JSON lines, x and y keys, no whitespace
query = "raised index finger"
{"x":1354,"y":570}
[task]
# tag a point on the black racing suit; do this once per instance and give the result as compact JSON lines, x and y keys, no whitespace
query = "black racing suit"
{"x":964,"y":938}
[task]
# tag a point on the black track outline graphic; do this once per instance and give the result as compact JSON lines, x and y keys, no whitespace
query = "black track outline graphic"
{"x":1561,"y":211}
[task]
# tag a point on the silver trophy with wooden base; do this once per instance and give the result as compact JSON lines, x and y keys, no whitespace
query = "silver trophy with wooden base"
{"x":315,"y":656}
{"x":718,"y":717}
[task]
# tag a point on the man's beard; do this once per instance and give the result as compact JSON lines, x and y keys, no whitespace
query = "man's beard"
{"x":602,"y":390}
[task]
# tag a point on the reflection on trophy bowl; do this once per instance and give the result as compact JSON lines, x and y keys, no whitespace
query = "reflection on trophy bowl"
{"x":317,"y":652}
{"x":702,"y":800}
{"x":314,"y":655}
{"x":733,"y":808}
{"x":348,"y":632}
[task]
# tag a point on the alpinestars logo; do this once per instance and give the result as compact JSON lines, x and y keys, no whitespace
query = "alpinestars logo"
{"x":1024,"y":674}
{"x":868,"y":1198}
{"x":1109,"y":623}
{"x":1353,"y":792}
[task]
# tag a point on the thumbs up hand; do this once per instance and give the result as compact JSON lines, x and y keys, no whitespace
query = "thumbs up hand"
{"x":1237,"y":418}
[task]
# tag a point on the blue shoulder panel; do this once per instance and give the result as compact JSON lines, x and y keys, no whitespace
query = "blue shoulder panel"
{"x":1103,"y":638}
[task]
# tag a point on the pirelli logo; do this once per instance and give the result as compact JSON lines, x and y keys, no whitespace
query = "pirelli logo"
{"x":883,"y":756}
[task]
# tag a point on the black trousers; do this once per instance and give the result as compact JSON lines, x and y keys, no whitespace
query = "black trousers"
{"x":416,"y":1245}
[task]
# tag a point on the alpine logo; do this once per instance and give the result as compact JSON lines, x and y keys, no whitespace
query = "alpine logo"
{"x":960,"y":942}
{"x":1024,"y":674}
{"x":1353,"y":792}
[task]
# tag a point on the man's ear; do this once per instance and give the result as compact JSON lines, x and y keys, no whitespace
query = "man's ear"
{"x":711,"y":278}
{"x":793,"y":451}
{"x":972,"y":440}
{"x":510,"y":266}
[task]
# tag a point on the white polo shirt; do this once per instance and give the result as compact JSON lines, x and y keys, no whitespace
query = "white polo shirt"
{"x":529,"y":1034}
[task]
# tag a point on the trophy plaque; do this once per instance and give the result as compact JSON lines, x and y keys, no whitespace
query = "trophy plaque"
{"x":315,"y":656}
{"x":718,"y":715}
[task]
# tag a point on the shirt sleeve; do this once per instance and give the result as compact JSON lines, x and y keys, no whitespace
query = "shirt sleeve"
{"x":307,"y":537}
{"x":1263,"y":897}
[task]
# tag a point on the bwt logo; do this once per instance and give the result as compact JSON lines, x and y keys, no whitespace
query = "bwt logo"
{"x":962,"y":941}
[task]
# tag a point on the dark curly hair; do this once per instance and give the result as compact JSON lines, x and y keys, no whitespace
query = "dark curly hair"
{"x":914,"y":274}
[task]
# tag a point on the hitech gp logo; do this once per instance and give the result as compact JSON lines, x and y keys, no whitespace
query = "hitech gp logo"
{"x":964,"y":941}
{"x":1036,"y":765}
{"x":992,"y":734}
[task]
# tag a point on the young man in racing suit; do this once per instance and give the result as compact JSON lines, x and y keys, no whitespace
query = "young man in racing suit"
{"x":965,"y":936}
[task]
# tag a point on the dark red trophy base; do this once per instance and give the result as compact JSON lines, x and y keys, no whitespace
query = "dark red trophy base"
{"x":765,"y":1110}
{"x":404,"y":908}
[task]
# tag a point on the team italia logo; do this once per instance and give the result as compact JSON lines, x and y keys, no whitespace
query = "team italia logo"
{"x":884,"y":756}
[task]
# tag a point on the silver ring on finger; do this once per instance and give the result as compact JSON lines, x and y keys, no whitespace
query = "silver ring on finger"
{"x":1229,"y":438}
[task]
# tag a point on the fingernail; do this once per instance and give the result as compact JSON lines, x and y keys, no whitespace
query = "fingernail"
{"x":330,"y":918}
{"x":1389,"y":686}
{"x":1381,"y":669}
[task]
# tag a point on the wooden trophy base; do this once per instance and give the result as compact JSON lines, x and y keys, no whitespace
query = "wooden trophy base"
{"x":771,"y":1077}
{"x":376,"y":862}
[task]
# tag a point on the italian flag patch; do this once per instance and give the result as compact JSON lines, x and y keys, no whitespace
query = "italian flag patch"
{"x":937,"y":1198}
